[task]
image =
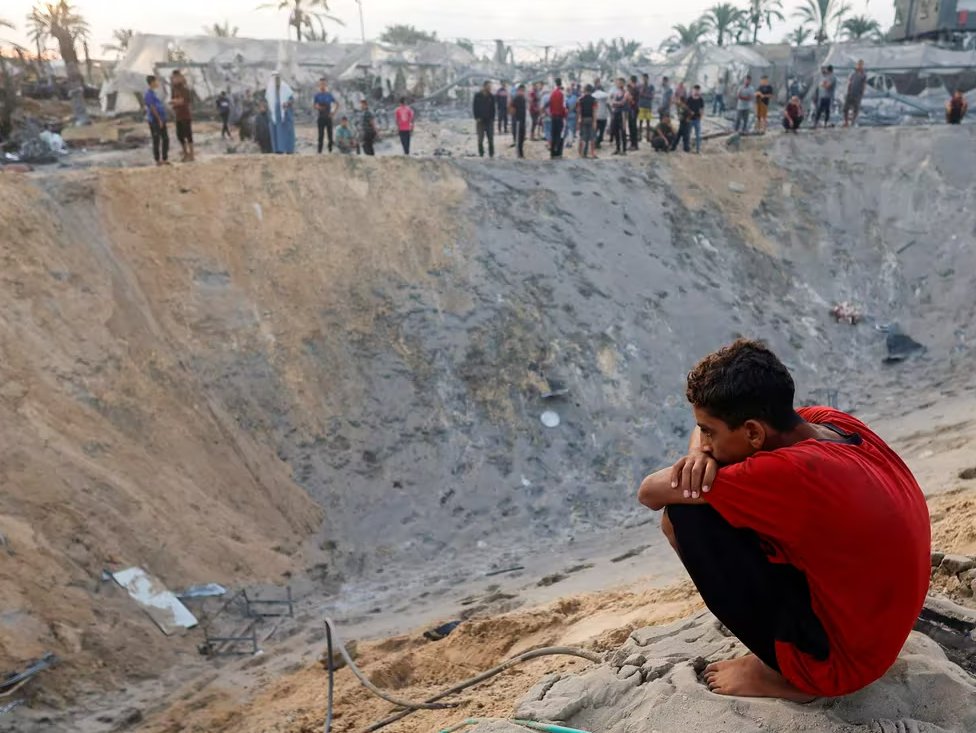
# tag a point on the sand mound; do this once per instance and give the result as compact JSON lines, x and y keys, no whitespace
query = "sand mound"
{"x":923,"y":691}
{"x":954,"y":520}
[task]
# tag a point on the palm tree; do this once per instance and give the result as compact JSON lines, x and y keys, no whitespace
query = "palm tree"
{"x":317,"y":36}
{"x":820,"y":14}
{"x":302,"y":15}
{"x":722,"y":20}
{"x":590,"y":54}
{"x":798,"y":36}
{"x":620,"y":49}
{"x":221,"y":31}
{"x":405,"y":35}
{"x":860,"y":26}
{"x":762,"y":13}
{"x":685,"y":35}
{"x":121,"y":38}
{"x":61,"y":22}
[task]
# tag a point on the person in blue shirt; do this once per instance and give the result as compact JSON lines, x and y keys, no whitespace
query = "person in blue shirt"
{"x":156,"y":117}
{"x":327,"y":106}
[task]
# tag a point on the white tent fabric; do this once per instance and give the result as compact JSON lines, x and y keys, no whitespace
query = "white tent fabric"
{"x":708,"y":65}
{"x":901,"y":58}
{"x":237,"y":64}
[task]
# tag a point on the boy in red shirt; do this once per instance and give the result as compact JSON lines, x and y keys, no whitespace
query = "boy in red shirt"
{"x":404,"y":120}
{"x":806,"y":535}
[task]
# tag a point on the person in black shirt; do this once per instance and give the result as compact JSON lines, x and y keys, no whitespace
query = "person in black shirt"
{"x":586,"y":109}
{"x":501,"y":108}
{"x":223,"y":109}
{"x":519,"y":110}
{"x":368,"y":131}
{"x":696,"y":108}
{"x":684,"y":125}
{"x":483,"y":110}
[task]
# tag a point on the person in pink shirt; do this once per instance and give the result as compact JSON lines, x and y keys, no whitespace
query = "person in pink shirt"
{"x":404,"y":120}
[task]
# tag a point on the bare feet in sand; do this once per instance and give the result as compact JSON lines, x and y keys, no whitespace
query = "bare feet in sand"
{"x":748,"y":677}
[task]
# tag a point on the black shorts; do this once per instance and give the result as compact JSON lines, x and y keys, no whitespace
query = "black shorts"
{"x":759,"y":601}
{"x":184,"y":131}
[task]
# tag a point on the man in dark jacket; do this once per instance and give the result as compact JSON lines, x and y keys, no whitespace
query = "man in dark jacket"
{"x":519,"y":108}
{"x":262,"y":128}
{"x":483,"y":109}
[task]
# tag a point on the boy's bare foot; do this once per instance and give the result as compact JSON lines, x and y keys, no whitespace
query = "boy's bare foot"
{"x":748,"y":677}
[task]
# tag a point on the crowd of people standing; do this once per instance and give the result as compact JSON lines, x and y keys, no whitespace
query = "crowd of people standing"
{"x":574,"y":116}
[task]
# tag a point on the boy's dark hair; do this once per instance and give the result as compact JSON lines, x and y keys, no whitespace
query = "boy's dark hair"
{"x":150,"y":79}
{"x":522,"y":87}
{"x":559,"y":82}
{"x":403,"y":100}
{"x":697,"y":86}
{"x":744,"y":381}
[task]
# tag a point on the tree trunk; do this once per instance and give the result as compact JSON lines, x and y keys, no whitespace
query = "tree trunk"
{"x":76,"y":83}
{"x":9,"y":99}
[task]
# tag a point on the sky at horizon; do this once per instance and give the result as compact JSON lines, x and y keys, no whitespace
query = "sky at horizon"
{"x":554,"y":22}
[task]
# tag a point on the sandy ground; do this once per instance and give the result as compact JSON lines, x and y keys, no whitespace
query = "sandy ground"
{"x":157,"y":356}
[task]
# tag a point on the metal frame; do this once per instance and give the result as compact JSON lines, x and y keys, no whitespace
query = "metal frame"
{"x":251,"y":613}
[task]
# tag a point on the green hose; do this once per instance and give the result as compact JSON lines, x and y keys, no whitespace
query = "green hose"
{"x":548,"y":727}
{"x":545,"y":727}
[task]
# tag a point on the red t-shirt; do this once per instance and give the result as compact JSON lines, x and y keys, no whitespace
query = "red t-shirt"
{"x":854,"y":520}
{"x":557,"y":103}
{"x":404,"y":118}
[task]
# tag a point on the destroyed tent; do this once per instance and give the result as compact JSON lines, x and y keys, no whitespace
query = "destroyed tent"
{"x":713,"y":67}
{"x":906,"y":83}
{"x":239,"y":64}
{"x":415,"y":70}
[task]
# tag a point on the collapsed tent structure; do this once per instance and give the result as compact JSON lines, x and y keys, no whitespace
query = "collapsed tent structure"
{"x":909,"y":82}
{"x":236,"y":65}
{"x":715,"y":68}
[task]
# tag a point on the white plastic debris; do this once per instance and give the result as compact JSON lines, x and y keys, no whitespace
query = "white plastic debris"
{"x":550,"y":419}
{"x":162,"y":606}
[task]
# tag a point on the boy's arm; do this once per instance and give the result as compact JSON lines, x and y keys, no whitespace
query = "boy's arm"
{"x":656,"y":491}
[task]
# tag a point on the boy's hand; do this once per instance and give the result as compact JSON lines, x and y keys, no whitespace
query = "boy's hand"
{"x":693,"y":475}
